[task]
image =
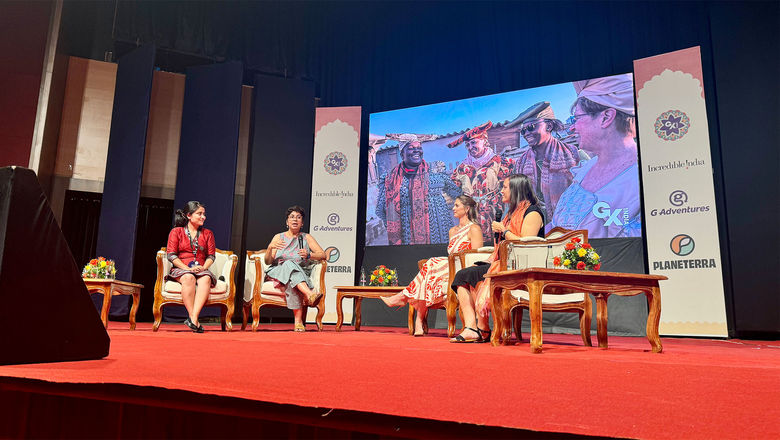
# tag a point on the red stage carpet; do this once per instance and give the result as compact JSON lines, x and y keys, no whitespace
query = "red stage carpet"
{"x":694,"y":389}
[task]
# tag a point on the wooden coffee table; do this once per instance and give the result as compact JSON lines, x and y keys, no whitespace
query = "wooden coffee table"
{"x":360,"y":292}
{"x":561,"y":281}
{"x":110,"y":288}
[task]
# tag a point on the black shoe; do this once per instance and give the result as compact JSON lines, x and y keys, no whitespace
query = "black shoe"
{"x":193,"y":327}
{"x":484,"y":339}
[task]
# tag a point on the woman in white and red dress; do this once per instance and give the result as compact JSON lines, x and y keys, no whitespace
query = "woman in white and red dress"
{"x":430,"y":285}
{"x":192,"y":251}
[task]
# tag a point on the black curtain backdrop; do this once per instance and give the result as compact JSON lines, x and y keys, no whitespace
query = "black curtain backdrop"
{"x":385,"y":55}
{"x":125,"y":164}
{"x":280,"y":157}
{"x":209,"y":144}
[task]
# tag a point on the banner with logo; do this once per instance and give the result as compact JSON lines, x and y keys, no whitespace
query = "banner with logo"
{"x":680,"y":217}
{"x":334,"y":199}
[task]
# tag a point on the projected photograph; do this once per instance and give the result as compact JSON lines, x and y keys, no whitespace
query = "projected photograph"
{"x":576,"y":142}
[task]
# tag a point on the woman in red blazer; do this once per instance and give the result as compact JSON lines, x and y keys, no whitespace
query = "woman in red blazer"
{"x":191,"y":250}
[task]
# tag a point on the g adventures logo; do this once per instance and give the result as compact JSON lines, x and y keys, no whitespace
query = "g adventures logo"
{"x":678,"y":199}
{"x":683,"y":245}
{"x":333,"y":220}
{"x":332,"y":255}
{"x":672,"y":125}
{"x":335,"y":163}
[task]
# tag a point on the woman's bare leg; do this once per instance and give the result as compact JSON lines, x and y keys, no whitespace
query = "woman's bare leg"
{"x":422,"y":315}
{"x":187,"y":282}
{"x":201,"y":296}
{"x":467,"y":299}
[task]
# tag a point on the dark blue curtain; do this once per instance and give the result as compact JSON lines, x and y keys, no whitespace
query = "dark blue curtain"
{"x":206,"y":169}
{"x":280,"y":156}
{"x":125,"y":164}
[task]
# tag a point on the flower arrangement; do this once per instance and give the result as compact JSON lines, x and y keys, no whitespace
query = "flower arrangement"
{"x":382,"y":276}
{"x":99,"y":268}
{"x":579,"y":256}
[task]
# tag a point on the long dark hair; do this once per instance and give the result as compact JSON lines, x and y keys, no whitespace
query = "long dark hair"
{"x":471,"y":206}
{"x":520,"y":188}
{"x":189,"y":208}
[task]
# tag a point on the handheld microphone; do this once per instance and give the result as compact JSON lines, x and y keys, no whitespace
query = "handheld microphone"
{"x":499,"y":214}
{"x":300,"y":242}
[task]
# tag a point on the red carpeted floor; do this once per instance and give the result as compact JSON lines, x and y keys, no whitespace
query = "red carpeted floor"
{"x":694,"y":389}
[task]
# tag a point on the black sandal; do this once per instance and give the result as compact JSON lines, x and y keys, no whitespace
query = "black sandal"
{"x":483,"y":339}
{"x":461,"y":340}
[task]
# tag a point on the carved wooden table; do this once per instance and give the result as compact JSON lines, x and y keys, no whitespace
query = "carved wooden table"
{"x":360,"y":292}
{"x":110,"y":288}
{"x":561,"y":281}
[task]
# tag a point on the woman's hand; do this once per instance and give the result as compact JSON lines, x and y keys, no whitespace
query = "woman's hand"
{"x":277,"y":244}
{"x":498,"y":227}
{"x":197,"y":268}
{"x":303,"y":253}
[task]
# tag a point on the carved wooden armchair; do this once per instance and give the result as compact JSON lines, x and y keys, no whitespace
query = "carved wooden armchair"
{"x":259,"y":293}
{"x":537,"y":252}
{"x":223,"y":294}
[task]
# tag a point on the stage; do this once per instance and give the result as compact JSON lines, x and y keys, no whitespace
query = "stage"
{"x":382,"y":383}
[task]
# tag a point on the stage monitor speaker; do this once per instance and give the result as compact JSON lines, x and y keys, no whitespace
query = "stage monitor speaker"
{"x":46,"y":314}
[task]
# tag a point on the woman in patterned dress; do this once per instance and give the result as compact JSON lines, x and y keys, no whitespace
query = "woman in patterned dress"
{"x":192,"y":251}
{"x":289,"y":255}
{"x":430,"y":287}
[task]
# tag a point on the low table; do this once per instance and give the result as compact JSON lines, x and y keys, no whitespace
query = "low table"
{"x":110,"y":288}
{"x":360,"y":292}
{"x":561,"y":281}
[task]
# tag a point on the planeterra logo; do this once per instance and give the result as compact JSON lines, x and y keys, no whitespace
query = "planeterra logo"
{"x":332,"y":255}
{"x":683,"y":245}
{"x":678,"y":199}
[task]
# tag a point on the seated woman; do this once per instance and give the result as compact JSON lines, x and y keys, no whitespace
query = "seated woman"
{"x":429,"y":287}
{"x":287,"y":255}
{"x":191,"y":250}
{"x":523,"y":219}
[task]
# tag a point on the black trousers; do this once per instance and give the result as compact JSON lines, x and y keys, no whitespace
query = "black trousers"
{"x":470,"y":276}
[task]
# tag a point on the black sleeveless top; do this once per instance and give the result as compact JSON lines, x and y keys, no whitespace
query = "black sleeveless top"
{"x":535,"y":208}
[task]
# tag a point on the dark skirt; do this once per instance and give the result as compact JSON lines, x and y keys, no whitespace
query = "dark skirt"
{"x":177,"y":273}
{"x":470,"y":276}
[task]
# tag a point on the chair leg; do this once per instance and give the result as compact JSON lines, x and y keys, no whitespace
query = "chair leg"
{"x":451,"y":309}
{"x":411,"y":319}
{"x":156,"y":310}
{"x":320,"y":314}
{"x":244,"y":309}
{"x":517,"y":314}
{"x":255,"y":314}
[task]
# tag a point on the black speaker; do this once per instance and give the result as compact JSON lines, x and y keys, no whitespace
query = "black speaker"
{"x":46,"y":314}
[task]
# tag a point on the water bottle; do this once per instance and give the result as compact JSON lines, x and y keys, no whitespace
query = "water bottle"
{"x":550,"y":258}
{"x":362,"y":277}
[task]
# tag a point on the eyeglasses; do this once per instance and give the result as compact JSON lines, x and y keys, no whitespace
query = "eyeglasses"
{"x":529,"y":128}
{"x":574,"y":118}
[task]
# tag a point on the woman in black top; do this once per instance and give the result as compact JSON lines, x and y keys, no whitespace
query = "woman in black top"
{"x":523,"y":219}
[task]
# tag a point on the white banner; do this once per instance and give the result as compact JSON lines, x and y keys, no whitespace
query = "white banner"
{"x":334,"y":199}
{"x":680,"y":216}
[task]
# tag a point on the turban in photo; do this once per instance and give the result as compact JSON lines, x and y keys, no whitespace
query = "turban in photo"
{"x":536,"y":112}
{"x":479,"y":131}
{"x":610,"y":91}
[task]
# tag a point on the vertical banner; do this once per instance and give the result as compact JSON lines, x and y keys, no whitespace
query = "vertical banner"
{"x":680,"y":216}
{"x":334,"y":199}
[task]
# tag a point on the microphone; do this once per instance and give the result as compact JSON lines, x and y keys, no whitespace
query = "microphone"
{"x":300,"y":242}
{"x":499,"y":214}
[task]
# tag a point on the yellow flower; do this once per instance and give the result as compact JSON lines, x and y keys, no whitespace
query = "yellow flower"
{"x":87,"y":267}
{"x":595,"y":256}
{"x":581,"y":252}
{"x":567,"y":262}
{"x":102,"y":264}
{"x":373,"y":277}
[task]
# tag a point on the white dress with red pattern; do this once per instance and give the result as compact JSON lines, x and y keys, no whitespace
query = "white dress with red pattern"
{"x":432,"y":282}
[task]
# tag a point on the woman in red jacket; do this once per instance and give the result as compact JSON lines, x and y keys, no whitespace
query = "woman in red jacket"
{"x":191,"y":250}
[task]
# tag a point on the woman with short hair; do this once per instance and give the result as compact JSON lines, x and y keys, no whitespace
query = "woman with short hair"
{"x":289,"y":254}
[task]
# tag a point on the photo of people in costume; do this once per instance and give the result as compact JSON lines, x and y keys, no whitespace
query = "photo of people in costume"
{"x":575,"y":141}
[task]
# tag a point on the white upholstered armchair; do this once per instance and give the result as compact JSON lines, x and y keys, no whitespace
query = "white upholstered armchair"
{"x":223,"y":294}
{"x":259,"y":293}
